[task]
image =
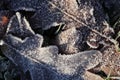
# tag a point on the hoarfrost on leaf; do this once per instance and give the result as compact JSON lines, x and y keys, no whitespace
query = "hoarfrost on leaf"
{"x":44,"y":63}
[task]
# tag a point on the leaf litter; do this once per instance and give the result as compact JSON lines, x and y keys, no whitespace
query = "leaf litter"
{"x":24,"y":47}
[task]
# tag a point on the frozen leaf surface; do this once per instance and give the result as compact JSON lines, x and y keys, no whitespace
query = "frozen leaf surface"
{"x":19,"y":26}
{"x":48,"y":15}
{"x":69,"y":41}
{"x":27,"y":5}
{"x":24,"y":48}
{"x":72,"y":13}
{"x":44,"y":63}
{"x":78,"y":14}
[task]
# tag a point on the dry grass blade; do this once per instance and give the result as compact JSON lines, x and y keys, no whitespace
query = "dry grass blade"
{"x":75,"y":19}
{"x":108,"y":76}
{"x":117,"y":78}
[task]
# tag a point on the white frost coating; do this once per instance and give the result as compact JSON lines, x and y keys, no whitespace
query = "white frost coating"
{"x":51,"y":66}
{"x":1,"y":42}
{"x":91,"y":11}
{"x":30,"y":56}
{"x":54,"y":24}
{"x":19,"y":17}
{"x":28,"y":25}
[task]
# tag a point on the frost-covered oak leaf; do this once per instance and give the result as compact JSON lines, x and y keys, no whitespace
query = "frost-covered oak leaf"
{"x":44,"y":63}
